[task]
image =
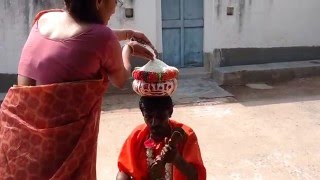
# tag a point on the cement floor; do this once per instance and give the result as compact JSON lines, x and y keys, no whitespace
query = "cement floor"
{"x":258,"y":134}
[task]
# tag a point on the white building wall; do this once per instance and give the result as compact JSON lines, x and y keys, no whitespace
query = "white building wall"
{"x":13,"y":33}
{"x":16,"y":17}
{"x":255,"y":23}
{"x":261,"y":23}
{"x":144,"y":19}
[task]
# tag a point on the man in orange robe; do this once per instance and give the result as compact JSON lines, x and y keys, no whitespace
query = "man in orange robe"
{"x":149,"y":144}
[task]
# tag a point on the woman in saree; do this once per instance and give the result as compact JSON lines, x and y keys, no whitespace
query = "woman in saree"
{"x":49,"y":122}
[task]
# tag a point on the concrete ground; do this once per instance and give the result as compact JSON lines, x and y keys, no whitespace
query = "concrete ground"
{"x":258,"y":134}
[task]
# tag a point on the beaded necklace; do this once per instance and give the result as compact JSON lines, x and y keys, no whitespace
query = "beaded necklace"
{"x":168,"y":170}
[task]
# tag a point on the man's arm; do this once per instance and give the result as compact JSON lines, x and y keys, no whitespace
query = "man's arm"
{"x":186,"y":168}
{"x":170,"y":154}
{"x":122,"y":176}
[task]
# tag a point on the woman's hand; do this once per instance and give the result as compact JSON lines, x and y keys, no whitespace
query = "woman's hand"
{"x":141,"y":38}
{"x":140,"y":50}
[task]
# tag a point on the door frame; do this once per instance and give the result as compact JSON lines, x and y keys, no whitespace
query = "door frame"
{"x":207,"y":13}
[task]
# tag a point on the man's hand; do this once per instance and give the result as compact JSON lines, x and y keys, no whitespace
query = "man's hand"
{"x":157,"y":169}
{"x":169,"y":153}
{"x":122,"y":176}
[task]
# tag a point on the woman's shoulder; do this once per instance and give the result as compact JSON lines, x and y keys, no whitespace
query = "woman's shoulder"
{"x":103,"y":31}
{"x":45,"y":13}
{"x":102,"y":37}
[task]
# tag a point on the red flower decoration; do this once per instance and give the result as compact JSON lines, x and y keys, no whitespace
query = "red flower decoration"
{"x":149,"y":143}
{"x":153,"y":77}
{"x":136,"y":74}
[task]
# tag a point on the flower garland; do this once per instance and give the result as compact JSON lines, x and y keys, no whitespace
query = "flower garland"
{"x":154,"y":77}
{"x":168,"y":169}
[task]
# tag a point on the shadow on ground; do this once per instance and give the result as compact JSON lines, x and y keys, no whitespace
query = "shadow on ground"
{"x":191,"y":91}
{"x":195,"y":91}
{"x":298,"y":90}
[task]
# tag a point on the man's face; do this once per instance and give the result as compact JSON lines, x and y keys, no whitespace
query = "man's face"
{"x":158,"y":122}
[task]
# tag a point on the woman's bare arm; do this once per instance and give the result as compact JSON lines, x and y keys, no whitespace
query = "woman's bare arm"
{"x":25,"y":81}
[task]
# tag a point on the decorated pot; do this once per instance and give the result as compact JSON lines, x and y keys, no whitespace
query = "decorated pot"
{"x":166,"y":88}
{"x":155,"y":71}
{"x":155,"y":78}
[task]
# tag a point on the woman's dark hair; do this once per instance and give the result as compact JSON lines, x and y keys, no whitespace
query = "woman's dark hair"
{"x":83,"y":11}
{"x":155,"y":103}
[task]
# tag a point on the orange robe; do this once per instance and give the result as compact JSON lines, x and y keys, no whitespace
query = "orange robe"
{"x":50,"y":131}
{"x":133,"y":161}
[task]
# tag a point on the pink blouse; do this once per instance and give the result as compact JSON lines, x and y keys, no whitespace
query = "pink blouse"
{"x":81,"y":57}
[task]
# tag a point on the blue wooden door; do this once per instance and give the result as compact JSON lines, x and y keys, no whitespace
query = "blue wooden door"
{"x":182,"y":32}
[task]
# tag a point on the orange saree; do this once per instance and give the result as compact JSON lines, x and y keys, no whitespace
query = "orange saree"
{"x":50,"y":131}
{"x":133,"y":161}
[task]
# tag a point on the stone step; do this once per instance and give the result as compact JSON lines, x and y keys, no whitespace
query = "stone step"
{"x":271,"y":72}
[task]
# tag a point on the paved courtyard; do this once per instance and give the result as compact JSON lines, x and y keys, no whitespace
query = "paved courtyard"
{"x":257,"y":134}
